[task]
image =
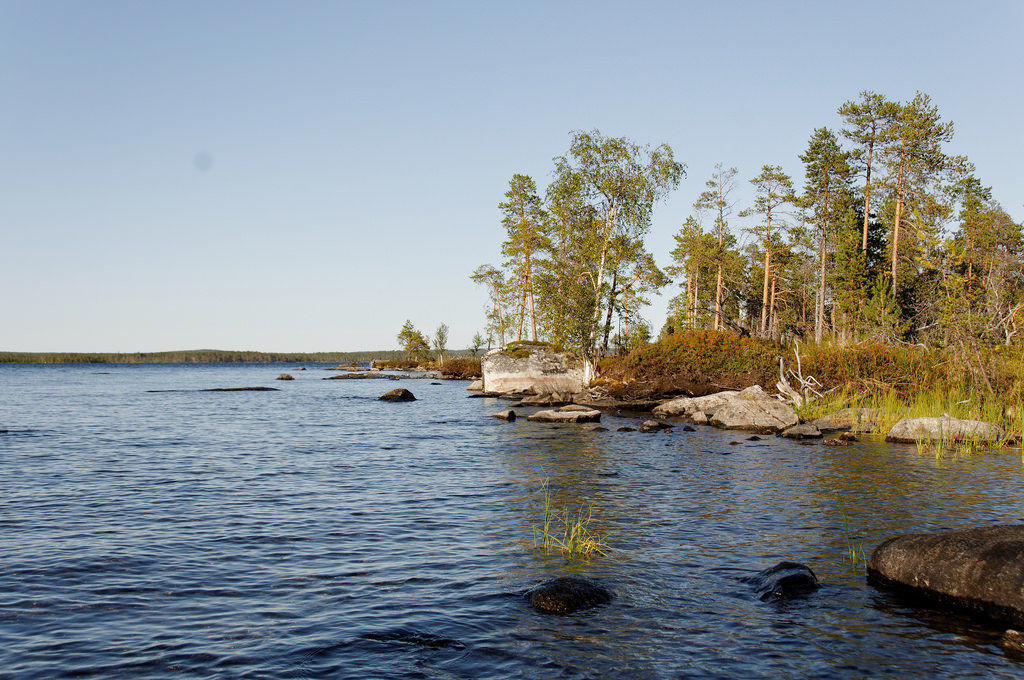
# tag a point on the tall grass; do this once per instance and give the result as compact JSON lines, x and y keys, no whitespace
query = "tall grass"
{"x":854,"y":551}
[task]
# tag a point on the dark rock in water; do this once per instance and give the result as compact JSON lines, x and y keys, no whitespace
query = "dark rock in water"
{"x":654,"y":426}
{"x":4,"y":431}
{"x":734,"y":443}
{"x":687,"y":428}
{"x":508,"y":415}
{"x":783,"y":581}
{"x":1013,"y":642}
{"x":625,"y":429}
{"x":980,"y":571}
{"x":836,"y":441}
{"x":435,"y":383}
{"x":596,"y":428}
{"x":847,"y":437}
{"x":241,"y":389}
{"x":753,"y":438}
{"x":285,"y":376}
{"x":300,"y":368}
{"x":399,"y":394}
{"x":566,"y":595}
{"x":483,"y":395}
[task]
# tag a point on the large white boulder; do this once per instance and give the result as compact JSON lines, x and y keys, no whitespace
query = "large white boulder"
{"x":944,"y":428}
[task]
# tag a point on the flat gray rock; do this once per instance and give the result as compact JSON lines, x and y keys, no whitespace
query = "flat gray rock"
{"x":857,"y":419}
{"x":566,"y":417}
{"x":801,"y":431}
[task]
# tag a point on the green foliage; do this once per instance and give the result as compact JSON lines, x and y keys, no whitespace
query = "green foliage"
{"x":413,"y":342}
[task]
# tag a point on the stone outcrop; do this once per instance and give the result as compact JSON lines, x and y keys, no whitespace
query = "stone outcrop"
{"x":856,"y":419}
{"x":476,"y":386}
{"x":783,"y":581}
{"x":285,"y":376}
{"x":754,"y":410}
{"x":400,"y":394}
{"x":980,"y":571}
{"x":566,"y":417}
{"x":533,"y":368}
{"x":687,"y":406}
{"x":563,"y":596}
{"x":944,"y":428}
{"x":508,"y":415}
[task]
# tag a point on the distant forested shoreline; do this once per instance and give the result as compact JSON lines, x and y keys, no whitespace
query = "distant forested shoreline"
{"x":198,"y":356}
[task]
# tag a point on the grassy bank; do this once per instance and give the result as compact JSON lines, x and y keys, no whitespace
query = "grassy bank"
{"x":904,"y":381}
{"x":453,"y":367}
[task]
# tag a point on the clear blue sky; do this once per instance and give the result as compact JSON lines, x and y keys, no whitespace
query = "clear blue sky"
{"x":306,"y":175}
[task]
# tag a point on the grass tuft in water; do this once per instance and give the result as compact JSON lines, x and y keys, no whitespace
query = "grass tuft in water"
{"x":854,"y":551}
{"x":567,"y":532}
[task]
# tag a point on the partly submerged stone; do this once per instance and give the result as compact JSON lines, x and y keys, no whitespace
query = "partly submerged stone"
{"x":801,"y":431}
{"x":944,"y":428}
{"x":857,"y":419}
{"x":567,"y":595}
{"x":755,"y":410}
{"x":575,"y":408}
{"x":239,"y":389}
{"x":476,"y":386}
{"x":783,"y":581}
{"x":654,"y":426}
{"x":285,"y":376}
{"x":398,"y":394}
{"x":508,"y":415}
{"x":552,"y":399}
{"x":978,"y":570}
{"x":687,"y":406}
{"x":566,"y":416}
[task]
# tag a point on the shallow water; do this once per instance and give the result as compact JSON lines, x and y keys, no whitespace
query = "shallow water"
{"x":314,"y":532}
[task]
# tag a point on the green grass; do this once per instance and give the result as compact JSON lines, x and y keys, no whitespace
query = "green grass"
{"x":854,"y":551}
{"x":567,"y":532}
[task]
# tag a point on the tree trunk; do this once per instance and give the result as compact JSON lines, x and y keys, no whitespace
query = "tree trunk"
{"x":718,"y":299}
{"x":529,"y":283}
{"x":867,"y":195}
{"x":689,"y":298}
{"x":764,"y":296}
{"x":819,"y":312}
{"x":611,"y":308}
{"x":774,"y":322}
{"x":896,"y":225}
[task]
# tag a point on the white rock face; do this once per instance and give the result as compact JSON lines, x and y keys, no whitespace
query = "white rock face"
{"x":476,"y":386}
{"x":687,"y":406}
{"x":540,"y":371}
{"x":946,"y":428}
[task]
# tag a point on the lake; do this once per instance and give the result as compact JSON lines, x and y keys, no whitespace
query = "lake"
{"x":315,"y":532}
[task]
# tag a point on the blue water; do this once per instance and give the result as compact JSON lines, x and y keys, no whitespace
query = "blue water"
{"x":314,"y":532}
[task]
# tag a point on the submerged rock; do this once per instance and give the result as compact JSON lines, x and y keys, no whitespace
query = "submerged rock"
{"x":837,"y":441}
{"x":285,"y":376}
{"x":755,"y":410}
{"x":802,"y":431}
{"x":654,"y":426}
{"x":563,"y":596}
{"x":687,"y":428}
{"x":508,"y":415}
{"x":398,"y":394}
{"x":566,"y":416}
{"x":784,"y":581}
{"x":858,"y":419}
{"x":945,"y":428}
{"x":979,"y":570}
{"x":625,"y":429}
